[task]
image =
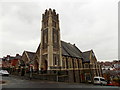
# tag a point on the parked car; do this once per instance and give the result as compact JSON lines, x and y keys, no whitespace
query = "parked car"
{"x":113,"y":83}
{"x":4,"y":73}
{"x":100,"y":81}
{"x":110,"y":84}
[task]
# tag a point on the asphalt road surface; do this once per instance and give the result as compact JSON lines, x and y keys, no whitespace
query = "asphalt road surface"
{"x":18,"y":82}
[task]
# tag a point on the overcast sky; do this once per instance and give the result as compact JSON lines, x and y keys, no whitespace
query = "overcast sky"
{"x":90,"y":24}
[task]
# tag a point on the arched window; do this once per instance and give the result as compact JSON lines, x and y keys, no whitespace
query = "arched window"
{"x":54,"y":24}
{"x":55,"y":38}
{"x":55,"y":60}
{"x":45,"y":38}
{"x":63,"y":63}
{"x":70,"y":63}
{"x":66,"y":62}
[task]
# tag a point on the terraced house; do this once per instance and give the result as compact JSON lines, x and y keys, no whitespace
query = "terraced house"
{"x":55,"y":56}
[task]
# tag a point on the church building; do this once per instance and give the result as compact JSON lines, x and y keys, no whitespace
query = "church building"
{"x":55,"y":56}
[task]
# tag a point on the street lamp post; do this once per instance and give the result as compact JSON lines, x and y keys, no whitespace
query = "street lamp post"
{"x":57,"y":76}
{"x":30,"y":71}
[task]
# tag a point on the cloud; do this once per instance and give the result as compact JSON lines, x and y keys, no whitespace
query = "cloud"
{"x":19,"y":26}
{"x":90,"y":24}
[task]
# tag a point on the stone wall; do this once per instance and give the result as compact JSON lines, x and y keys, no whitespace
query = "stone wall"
{"x":71,"y":76}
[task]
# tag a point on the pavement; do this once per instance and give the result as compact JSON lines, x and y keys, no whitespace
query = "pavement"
{"x":21,"y":82}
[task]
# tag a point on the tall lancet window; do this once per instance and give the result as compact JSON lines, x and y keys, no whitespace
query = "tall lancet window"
{"x":45,"y":38}
{"x":55,"y":38}
{"x":55,"y":61}
{"x":54,"y":24}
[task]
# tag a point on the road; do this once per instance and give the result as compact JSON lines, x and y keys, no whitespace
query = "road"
{"x":17,"y":82}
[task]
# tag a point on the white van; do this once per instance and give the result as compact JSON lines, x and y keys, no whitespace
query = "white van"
{"x":100,"y":80}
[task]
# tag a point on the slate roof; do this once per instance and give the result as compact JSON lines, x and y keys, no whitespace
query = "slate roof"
{"x":30,"y":55}
{"x":8,"y":58}
{"x":70,"y":50}
{"x":86,"y":54}
{"x":22,"y":63}
{"x":18,"y":57}
{"x":38,"y":48}
{"x":11,"y":58}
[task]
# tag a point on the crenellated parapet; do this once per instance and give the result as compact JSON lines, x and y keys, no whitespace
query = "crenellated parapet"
{"x":50,"y":13}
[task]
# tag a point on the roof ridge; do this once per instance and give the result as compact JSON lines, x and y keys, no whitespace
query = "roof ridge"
{"x":29,"y":52}
{"x":87,"y":51}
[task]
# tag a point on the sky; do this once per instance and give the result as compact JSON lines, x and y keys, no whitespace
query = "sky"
{"x":89,"y":24}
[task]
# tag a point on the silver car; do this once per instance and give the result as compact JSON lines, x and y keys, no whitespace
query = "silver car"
{"x":4,"y":73}
{"x":100,"y":81}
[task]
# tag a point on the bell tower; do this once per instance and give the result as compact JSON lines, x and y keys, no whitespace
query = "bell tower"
{"x":50,"y":56}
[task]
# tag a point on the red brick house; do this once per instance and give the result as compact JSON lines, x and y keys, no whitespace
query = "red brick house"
{"x":11,"y":63}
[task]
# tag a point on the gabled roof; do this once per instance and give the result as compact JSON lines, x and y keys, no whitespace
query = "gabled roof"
{"x":8,"y":58}
{"x":22,"y":63}
{"x":86,"y":54}
{"x":18,"y":57}
{"x":30,"y":55}
{"x":38,"y":48}
{"x":70,"y":50}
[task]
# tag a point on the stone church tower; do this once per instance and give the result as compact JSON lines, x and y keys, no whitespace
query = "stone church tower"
{"x":55,"y":57}
{"x":50,"y":48}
